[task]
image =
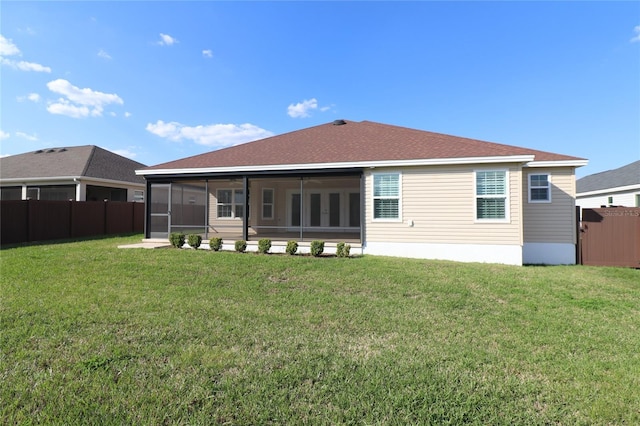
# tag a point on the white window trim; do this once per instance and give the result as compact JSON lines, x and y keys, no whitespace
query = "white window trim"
{"x":272,"y":204}
{"x":507,"y":203}
{"x":548,"y":187}
{"x":232,"y":204}
{"x":399,"y":197}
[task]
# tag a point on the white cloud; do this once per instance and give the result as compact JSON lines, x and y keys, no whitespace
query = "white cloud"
{"x":8,"y":48}
{"x":207,"y":53}
{"x":63,"y":107}
{"x":33,"y":97}
{"x":4,"y":135}
{"x":124,"y":152}
{"x":167,"y":40}
{"x":78,"y":102}
{"x":27,"y":136}
{"x":104,"y":55}
{"x":127,"y":114}
{"x":636,"y":37}
{"x":214,"y":135}
{"x":301,"y":109}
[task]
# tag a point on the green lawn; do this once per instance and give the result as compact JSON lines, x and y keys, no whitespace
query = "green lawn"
{"x":92,"y":334}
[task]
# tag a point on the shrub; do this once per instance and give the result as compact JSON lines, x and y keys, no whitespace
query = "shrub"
{"x":343,"y":250}
{"x":215,"y":243}
{"x":317,"y":247}
{"x":176,"y":239}
{"x":264,"y":245}
{"x":194,"y":240}
{"x":241,"y":246}
{"x":292,"y":247}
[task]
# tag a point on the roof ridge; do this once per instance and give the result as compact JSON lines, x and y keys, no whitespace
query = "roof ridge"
{"x":88,"y":163}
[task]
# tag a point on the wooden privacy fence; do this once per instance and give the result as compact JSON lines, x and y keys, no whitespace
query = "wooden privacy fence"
{"x":37,"y":220}
{"x":610,"y":237}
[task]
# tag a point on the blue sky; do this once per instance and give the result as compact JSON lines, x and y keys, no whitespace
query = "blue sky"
{"x":158,"y":81}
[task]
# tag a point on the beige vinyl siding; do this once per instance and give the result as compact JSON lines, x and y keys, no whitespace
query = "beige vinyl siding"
{"x":553,"y":222}
{"x":438,"y":206}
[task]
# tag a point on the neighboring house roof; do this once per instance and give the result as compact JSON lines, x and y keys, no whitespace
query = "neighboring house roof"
{"x":76,"y":161}
{"x":349,"y":142}
{"x":616,"y":178}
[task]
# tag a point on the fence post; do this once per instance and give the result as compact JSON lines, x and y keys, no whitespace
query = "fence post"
{"x":106,"y":212}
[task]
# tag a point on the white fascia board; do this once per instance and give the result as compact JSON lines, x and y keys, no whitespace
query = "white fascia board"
{"x":67,"y":180}
{"x":609,"y":190}
{"x":345,"y":165}
{"x":563,"y":163}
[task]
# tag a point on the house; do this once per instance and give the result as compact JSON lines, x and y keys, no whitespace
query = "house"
{"x":617,"y":187}
{"x":80,"y":173}
{"x":387,"y":190}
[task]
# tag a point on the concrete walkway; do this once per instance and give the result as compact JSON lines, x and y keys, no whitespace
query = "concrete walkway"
{"x":147,"y":245}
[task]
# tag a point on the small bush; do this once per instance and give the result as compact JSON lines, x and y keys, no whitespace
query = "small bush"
{"x":292,"y":247}
{"x":343,"y":250}
{"x":264,"y":245}
{"x":215,"y":243}
{"x":241,"y":246}
{"x":176,"y":239}
{"x":317,"y":247}
{"x":194,"y":240}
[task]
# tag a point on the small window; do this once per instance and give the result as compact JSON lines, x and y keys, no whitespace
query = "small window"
{"x":267,"y":203}
{"x":230,"y":203}
{"x":491,"y":195}
{"x":386,"y":196}
{"x":610,"y":200}
{"x":539,"y":188}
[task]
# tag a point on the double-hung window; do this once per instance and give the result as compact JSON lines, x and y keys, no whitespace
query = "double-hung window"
{"x":386,"y":196}
{"x":267,"y":203}
{"x":230,"y":203}
{"x":491,"y":195}
{"x":539,"y":188}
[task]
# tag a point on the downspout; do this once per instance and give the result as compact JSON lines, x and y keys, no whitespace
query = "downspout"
{"x":78,"y":189}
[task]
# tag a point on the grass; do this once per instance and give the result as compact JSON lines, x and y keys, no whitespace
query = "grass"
{"x":92,"y":334}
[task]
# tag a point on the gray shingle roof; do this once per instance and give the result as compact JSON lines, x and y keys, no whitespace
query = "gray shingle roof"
{"x":622,"y":176}
{"x":87,"y":160}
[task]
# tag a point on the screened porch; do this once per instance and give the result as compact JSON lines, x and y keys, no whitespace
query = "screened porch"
{"x":283,"y":208}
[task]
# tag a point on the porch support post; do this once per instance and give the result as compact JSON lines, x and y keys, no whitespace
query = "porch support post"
{"x":206,"y":209}
{"x":245,"y":218}
{"x":362,"y":204}
{"x":147,"y":208}
{"x":301,"y":207}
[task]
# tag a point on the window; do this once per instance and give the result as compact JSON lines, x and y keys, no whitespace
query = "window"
{"x":491,"y":195}
{"x":539,"y":188}
{"x":230,"y":203}
{"x":386,"y":196}
{"x":267,"y":203}
{"x":11,"y":193}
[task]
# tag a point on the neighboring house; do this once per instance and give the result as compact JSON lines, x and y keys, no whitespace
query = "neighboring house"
{"x":385,"y":189}
{"x":80,"y":173}
{"x":617,"y":187}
